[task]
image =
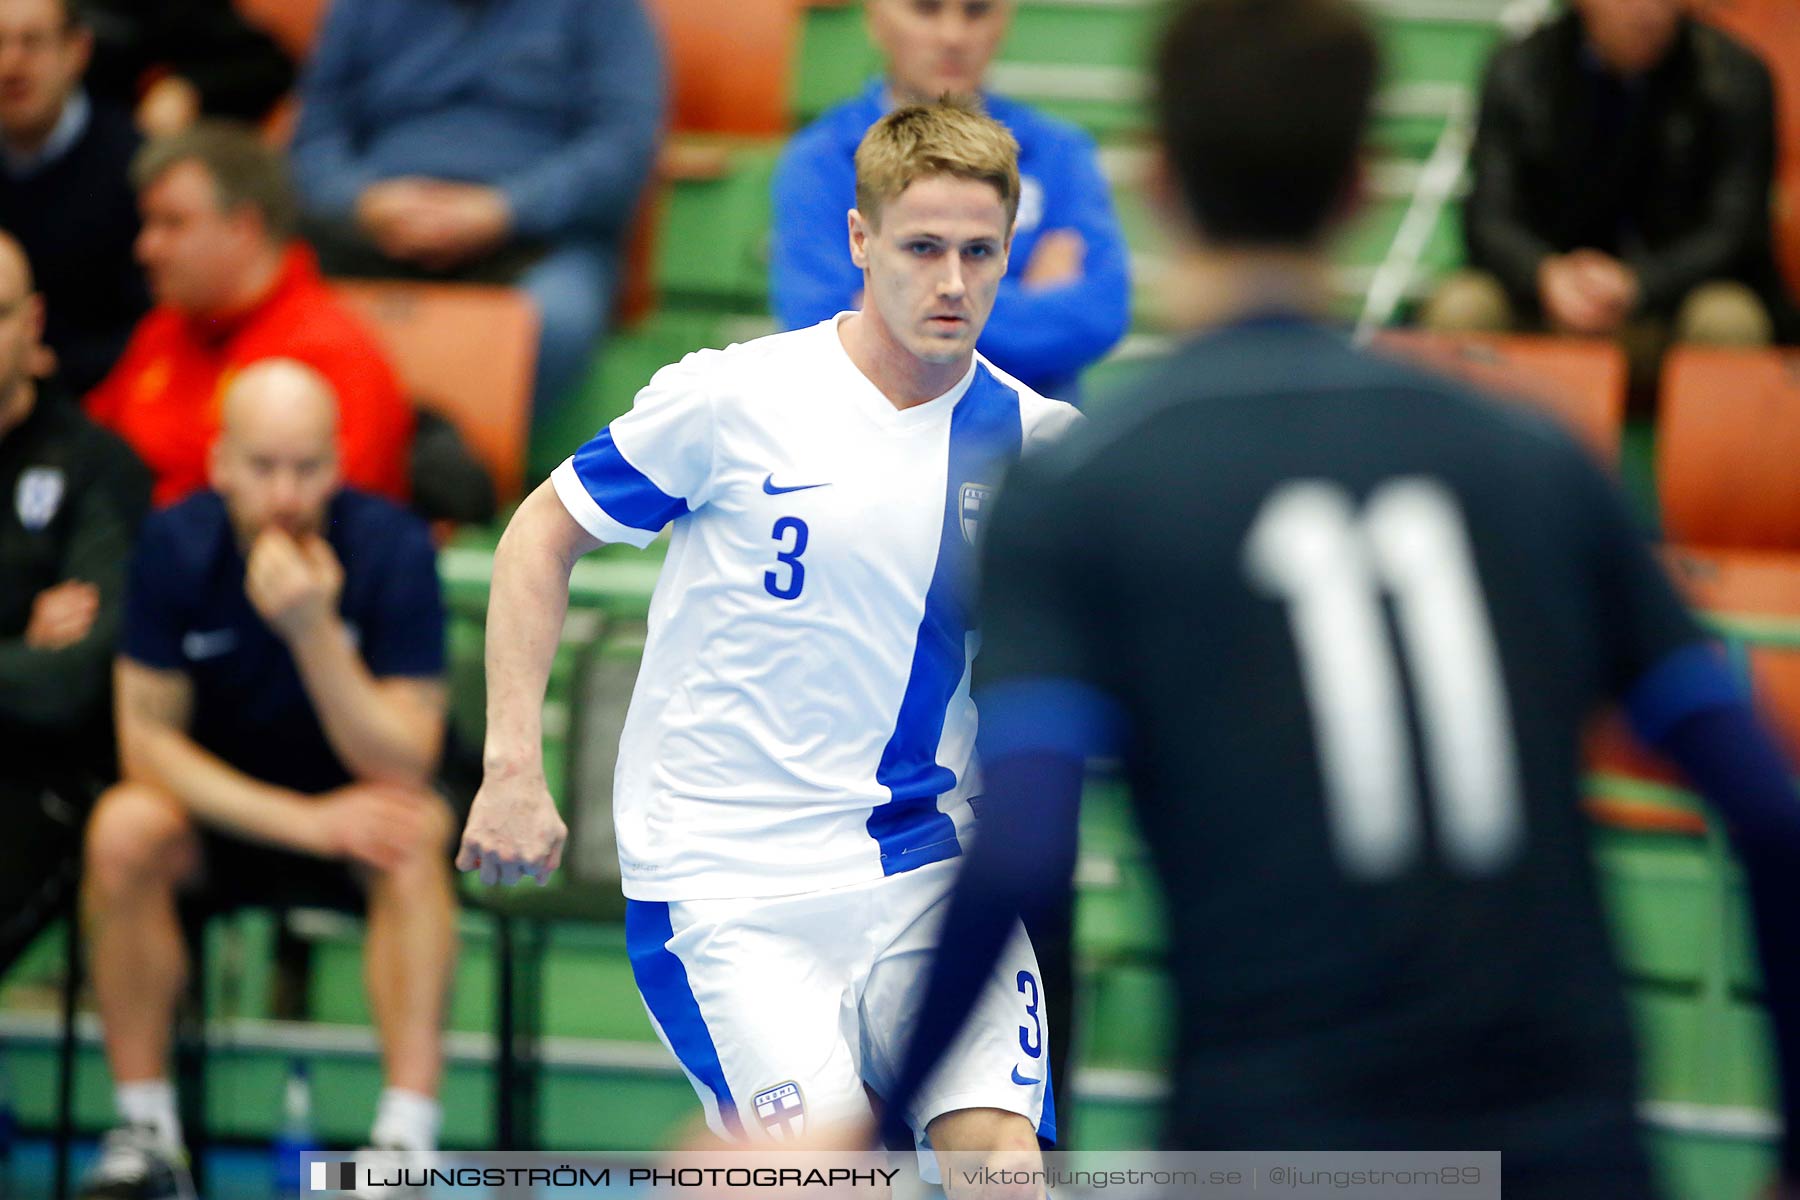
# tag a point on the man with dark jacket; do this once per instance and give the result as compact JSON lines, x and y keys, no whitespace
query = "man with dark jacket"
{"x":71,"y":496}
{"x":1622,"y":171}
{"x":65,"y":190}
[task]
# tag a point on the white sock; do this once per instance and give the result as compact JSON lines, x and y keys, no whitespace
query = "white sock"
{"x":406,"y":1120}
{"x":152,"y":1103}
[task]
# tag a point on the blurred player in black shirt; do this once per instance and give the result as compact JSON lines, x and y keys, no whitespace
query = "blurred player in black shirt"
{"x":1343,"y":622}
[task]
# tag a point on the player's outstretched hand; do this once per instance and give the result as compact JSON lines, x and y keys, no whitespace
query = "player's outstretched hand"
{"x":378,"y":825}
{"x":513,"y":831}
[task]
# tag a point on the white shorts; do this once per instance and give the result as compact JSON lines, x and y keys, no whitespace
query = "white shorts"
{"x":780,"y":1010}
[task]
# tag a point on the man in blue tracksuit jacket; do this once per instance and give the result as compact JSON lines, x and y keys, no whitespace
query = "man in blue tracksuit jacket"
{"x":1066,"y":298}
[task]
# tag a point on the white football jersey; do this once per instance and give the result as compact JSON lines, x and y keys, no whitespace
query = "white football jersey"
{"x":802,"y":716}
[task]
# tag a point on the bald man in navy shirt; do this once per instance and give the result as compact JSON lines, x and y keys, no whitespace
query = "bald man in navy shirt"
{"x":280,"y":713}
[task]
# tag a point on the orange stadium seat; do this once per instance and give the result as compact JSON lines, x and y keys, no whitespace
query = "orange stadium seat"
{"x":466,"y":350}
{"x":1580,"y":382}
{"x":1728,"y":448}
{"x":293,"y":23}
{"x":1772,"y":28}
{"x":1728,"y":436}
{"x":729,"y":63}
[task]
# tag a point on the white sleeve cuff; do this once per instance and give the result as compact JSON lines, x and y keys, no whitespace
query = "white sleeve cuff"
{"x":589,"y":515}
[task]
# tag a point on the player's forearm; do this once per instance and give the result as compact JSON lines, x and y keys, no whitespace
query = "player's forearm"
{"x":218,"y":795}
{"x":378,"y":739}
{"x":527,"y":601}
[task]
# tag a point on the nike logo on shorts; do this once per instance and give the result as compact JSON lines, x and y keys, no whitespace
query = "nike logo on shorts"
{"x":1022,"y":1080}
{"x":771,"y":489}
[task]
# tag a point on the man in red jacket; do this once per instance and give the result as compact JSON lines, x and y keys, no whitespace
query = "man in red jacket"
{"x":232,"y":286}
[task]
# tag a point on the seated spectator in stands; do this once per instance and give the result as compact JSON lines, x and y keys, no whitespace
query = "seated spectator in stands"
{"x":497,"y":141}
{"x":1622,"y":176}
{"x":1066,"y":297}
{"x":175,"y":61}
{"x":280,"y":713}
{"x":232,"y":286}
{"x":73,"y":495}
{"x":65,"y":190}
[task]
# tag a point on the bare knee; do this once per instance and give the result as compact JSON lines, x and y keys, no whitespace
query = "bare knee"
{"x":425,"y":869}
{"x":1724,"y":313}
{"x":1468,"y":302}
{"x":138,"y":837}
{"x":987,"y":1154}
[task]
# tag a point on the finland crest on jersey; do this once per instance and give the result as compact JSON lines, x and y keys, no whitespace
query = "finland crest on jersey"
{"x":974,"y":495}
{"x":782,"y":1110}
{"x":802,"y":716}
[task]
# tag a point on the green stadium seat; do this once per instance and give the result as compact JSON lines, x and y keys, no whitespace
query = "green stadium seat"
{"x":1365,"y":243}
{"x":834,"y":60}
{"x":1444,"y":44}
{"x":1674,"y":1046}
{"x":713,"y":246}
{"x":1742,"y":974}
{"x":1663,"y":896}
{"x":1118,"y":909}
{"x":1743,"y":1063}
{"x":1713,"y":1163}
{"x":1130,"y":1021}
{"x":1084,"y":60}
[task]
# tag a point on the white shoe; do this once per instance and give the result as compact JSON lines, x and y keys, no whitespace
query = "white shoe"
{"x":135,"y":1165}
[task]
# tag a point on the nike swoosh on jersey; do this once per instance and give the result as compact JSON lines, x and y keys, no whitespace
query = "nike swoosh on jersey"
{"x":196,"y":646}
{"x":771,"y":489}
{"x":1021,"y":1080}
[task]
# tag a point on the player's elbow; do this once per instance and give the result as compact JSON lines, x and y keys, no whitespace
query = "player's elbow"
{"x":542,"y":527}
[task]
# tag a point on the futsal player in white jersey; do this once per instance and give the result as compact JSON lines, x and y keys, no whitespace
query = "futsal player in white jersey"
{"x":795,"y":772}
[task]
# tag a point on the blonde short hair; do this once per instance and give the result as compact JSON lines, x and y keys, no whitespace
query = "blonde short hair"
{"x":917,"y":141}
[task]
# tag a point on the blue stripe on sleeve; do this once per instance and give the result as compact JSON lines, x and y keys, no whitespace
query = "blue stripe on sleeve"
{"x":1057,"y":715}
{"x":622,"y":491}
{"x":986,"y":431}
{"x":662,"y":979}
{"x":1690,"y":680}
